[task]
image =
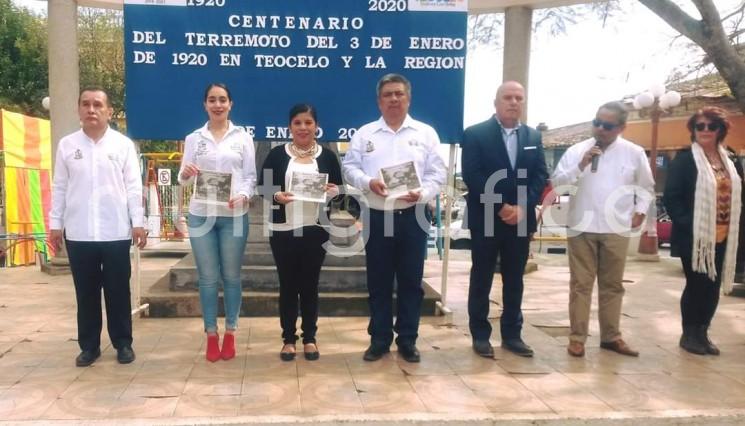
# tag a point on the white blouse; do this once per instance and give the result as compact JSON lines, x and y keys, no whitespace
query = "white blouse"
{"x":233,"y":154}
{"x":298,"y":213}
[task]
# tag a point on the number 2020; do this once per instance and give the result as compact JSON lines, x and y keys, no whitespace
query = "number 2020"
{"x":386,"y":5}
{"x":346,"y":133}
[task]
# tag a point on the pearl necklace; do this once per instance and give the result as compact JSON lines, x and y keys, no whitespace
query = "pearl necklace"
{"x":302,"y":153}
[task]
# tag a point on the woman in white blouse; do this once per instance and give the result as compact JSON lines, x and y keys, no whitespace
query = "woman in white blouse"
{"x":218,"y":231}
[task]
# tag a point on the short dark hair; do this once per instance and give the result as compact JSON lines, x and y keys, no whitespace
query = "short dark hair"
{"x":220,"y":85}
{"x":301,"y":108}
{"x":715,"y":115}
{"x":393,"y":78}
{"x":94,"y":89}
{"x":617,"y":107}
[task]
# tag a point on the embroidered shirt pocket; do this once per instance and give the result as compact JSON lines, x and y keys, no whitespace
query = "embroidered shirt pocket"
{"x":116,"y":160}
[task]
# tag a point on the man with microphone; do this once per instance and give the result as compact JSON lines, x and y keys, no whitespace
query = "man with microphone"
{"x":612,"y":187}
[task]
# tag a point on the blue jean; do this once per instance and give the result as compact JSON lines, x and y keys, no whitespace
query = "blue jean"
{"x":218,"y":243}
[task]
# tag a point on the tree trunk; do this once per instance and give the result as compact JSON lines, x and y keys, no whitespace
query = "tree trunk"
{"x":708,"y":33}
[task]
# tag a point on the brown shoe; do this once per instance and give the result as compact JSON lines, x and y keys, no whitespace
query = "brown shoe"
{"x":620,"y":347}
{"x":576,"y":349}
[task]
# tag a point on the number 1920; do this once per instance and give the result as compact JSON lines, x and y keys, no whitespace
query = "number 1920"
{"x":198,"y":59}
{"x":205,"y":3}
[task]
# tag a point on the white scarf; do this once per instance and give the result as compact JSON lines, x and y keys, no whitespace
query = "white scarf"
{"x":705,"y":218}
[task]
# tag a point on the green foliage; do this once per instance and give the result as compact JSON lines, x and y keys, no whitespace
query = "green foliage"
{"x":23,"y":60}
{"x":24,"y":76}
{"x":101,"y":50}
{"x":157,"y":146}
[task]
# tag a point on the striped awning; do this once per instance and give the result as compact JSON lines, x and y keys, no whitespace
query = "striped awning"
{"x":27,"y":150}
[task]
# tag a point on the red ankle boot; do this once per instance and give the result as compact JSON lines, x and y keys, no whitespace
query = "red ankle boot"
{"x":213,"y":347}
{"x":228,"y":346}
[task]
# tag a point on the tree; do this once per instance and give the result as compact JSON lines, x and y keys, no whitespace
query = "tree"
{"x":101,"y":50}
{"x":710,"y":35}
{"x":24,"y":76}
{"x":486,"y":29}
{"x":23,"y":60}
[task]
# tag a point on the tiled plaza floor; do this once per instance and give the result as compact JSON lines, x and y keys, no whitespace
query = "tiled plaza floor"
{"x":171,"y":383}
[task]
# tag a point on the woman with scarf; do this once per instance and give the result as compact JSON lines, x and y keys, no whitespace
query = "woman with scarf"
{"x":703,"y":197}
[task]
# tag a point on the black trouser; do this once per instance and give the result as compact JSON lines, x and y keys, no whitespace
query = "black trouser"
{"x":299,"y":260}
{"x":399,"y":256}
{"x":513,"y":254}
{"x":701,"y":295}
{"x":101,"y":265}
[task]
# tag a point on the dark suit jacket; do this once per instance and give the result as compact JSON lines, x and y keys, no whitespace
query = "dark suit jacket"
{"x":485,"y":154}
{"x":276,"y":165}
{"x":680,"y":196}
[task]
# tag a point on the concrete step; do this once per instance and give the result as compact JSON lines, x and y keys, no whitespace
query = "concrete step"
{"x":165,"y":303}
{"x":345,"y":279}
{"x":264,"y":278}
{"x":261,"y":255}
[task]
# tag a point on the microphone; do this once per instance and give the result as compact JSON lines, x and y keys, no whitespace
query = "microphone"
{"x":595,"y":160}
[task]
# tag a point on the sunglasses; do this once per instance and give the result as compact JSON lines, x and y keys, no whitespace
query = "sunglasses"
{"x":604,"y":124}
{"x":712,"y":127}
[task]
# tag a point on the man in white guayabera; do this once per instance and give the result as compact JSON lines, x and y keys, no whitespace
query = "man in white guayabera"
{"x":612,"y":187}
{"x":396,"y":237}
{"x":97,"y":202}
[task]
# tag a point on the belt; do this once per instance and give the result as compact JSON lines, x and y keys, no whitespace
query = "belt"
{"x":408,"y":210}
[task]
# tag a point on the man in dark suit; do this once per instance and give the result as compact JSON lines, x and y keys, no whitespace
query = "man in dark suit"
{"x":505,"y":171}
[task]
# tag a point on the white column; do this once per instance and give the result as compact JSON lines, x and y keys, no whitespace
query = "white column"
{"x":64,"y":79}
{"x":518,"y":30}
{"x":64,"y":73}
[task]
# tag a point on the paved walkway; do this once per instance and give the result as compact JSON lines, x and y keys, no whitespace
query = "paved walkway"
{"x":171,"y":383}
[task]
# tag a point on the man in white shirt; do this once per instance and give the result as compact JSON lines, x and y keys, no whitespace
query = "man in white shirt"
{"x":97,"y":211}
{"x":612,"y":187}
{"x":397,"y":228}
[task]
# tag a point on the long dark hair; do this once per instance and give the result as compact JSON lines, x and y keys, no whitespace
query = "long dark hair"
{"x":220,"y":85}
{"x":301,"y":108}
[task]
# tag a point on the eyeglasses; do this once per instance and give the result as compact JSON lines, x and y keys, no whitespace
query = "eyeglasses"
{"x":712,"y":127}
{"x":604,"y":124}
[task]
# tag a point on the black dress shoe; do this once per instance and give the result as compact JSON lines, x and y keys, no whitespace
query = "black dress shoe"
{"x":375,"y":352}
{"x":125,"y":355}
{"x":409,"y":353}
{"x":483,"y":348}
{"x":87,"y":358}
{"x":312,"y":355}
{"x":518,"y":347}
{"x":287,"y":355}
